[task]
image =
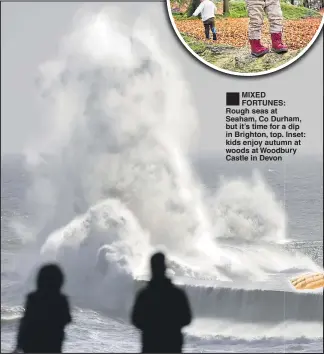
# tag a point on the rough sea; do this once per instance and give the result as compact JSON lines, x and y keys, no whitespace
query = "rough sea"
{"x":241,"y":315}
{"x":109,"y":178}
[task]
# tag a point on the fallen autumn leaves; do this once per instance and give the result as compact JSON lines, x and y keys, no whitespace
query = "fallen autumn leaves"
{"x":233,"y":31}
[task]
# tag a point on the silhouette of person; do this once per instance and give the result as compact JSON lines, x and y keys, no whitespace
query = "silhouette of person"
{"x":41,"y":330}
{"x":160,"y":311}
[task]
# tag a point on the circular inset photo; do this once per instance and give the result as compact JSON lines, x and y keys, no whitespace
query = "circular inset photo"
{"x":247,"y":37}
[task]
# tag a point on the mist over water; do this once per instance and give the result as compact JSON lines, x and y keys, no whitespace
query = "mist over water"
{"x":112,"y":180}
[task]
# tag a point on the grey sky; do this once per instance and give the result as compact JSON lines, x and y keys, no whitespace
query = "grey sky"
{"x":30,"y":33}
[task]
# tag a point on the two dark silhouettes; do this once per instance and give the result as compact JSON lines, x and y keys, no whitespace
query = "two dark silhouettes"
{"x":160,"y":312}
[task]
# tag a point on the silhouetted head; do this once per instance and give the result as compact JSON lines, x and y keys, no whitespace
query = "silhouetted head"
{"x":158,"y":266}
{"x":50,"y":278}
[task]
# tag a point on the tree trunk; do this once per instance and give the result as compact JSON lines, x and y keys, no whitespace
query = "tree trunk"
{"x":192,"y":7}
{"x":225,"y":7}
{"x":292,"y":2}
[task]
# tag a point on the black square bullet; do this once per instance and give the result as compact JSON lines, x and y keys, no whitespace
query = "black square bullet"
{"x":232,"y":98}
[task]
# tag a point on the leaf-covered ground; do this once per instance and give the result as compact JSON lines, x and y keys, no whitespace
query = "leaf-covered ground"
{"x":300,"y":26}
{"x":233,"y":31}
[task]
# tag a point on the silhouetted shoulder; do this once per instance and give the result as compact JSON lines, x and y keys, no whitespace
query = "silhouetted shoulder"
{"x":67,"y":318}
{"x":31,"y":296}
{"x":31,"y":300}
{"x":183,"y":306}
{"x":142,"y":295}
{"x":57,"y":305}
{"x":179,"y":292}
{"x":138,"y":314}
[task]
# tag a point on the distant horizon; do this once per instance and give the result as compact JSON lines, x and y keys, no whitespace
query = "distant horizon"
{"x":195,"y":155}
